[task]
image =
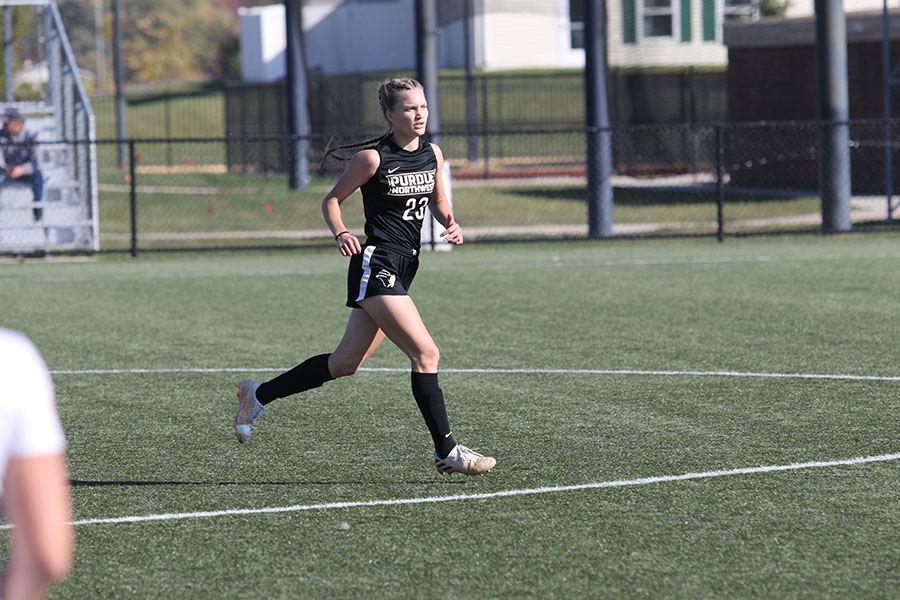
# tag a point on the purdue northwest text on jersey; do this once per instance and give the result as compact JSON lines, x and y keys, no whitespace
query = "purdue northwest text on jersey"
{"x":404,"y":184}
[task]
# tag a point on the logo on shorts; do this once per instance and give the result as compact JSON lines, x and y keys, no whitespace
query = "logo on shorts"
{"x":387,"y":279}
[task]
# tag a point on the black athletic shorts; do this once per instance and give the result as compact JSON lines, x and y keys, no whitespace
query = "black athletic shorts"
{"x":381,"y":269}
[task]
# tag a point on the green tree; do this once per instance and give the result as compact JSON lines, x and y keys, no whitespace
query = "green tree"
{"x":177,"y":40}
{"x":155,"y":49}
{"x":78,"y":18}
{"x":215,"y":39}
{"x":162,"y":40}
{"x":22,"y":20}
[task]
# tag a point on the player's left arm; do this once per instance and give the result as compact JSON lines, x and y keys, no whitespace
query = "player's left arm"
{"x":440,"y":205}
{"x":38,"y":503}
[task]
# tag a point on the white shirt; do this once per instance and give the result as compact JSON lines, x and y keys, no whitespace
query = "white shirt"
{"x":29,"y":423}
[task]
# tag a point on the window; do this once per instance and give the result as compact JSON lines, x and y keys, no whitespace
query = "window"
{"x":570,"y":28}
{"x":576,"y":24}
{"x":747,"y":10}
{"x":658,"y":19}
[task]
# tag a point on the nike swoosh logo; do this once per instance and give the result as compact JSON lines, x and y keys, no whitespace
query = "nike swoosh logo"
{"x":392,"y":170}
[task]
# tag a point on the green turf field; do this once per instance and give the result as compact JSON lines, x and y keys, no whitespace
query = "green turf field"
{"x":671,"y":419}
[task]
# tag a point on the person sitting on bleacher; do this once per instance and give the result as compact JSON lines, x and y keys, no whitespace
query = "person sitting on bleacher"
{"x":18,"y":159}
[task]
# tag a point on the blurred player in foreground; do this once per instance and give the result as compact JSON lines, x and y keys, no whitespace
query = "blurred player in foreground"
{"x":34,"y":485}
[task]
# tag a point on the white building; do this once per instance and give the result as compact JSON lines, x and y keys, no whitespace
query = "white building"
{"x":352,"y":36}
{"x":263,"y":40}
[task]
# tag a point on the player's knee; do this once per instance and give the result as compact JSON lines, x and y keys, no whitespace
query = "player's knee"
{"x":343,"y":367}
{"x":426,"y":359}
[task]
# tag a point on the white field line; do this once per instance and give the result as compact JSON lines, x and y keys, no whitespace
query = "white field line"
{"x":489,"y":495}
{"x":843,"y":377}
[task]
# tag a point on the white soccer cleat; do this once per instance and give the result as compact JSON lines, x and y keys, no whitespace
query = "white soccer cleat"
{"x":463,"y":460}
{"x":249,"y":409}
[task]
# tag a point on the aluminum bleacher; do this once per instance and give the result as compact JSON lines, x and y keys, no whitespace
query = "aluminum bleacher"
{"x":64,"y":123}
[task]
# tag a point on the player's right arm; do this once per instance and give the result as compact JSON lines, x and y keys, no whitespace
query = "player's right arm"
{"x":362,"y":167}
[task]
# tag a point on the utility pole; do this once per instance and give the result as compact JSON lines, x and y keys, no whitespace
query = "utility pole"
{"x":120,"y":100}
{"x":834,"y":111}
{"x":426,"y":62}
{"x":99,"y":45}
{"x":599,"y":136}
{"x":298,"y":116}
{"x":8,"y":53}
{"x":890,"y":81}
{"x":471,"y":110}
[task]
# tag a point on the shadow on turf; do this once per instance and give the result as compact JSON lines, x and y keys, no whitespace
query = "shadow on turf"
{"x":85,"y":483}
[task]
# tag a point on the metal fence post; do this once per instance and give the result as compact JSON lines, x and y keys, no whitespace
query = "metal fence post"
{"x":245,"y":152}
{"x":132,"y":181}
{"x":485,"y":127}
{"x":720,"y":182}
{"x":8,"y":53}
{"x":167,"y":105}
{"x":498,"y":89}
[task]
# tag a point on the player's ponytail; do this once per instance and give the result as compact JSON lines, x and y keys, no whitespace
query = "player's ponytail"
{"x":334,"y":151}
{"x":388,"y":95}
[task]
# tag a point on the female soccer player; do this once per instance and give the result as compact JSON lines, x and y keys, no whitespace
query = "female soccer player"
{"x":400,"y":176}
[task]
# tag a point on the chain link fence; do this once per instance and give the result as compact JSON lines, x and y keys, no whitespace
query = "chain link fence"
{"x":704,"y":180}
{"x":348,"y":104}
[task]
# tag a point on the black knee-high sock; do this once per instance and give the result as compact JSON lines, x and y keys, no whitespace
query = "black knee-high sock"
{"x":430,"y":399}
{"x":309,"y":374}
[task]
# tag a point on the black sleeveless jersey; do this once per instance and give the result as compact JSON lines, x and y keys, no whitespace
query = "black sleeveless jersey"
{"x":396,"y":196}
